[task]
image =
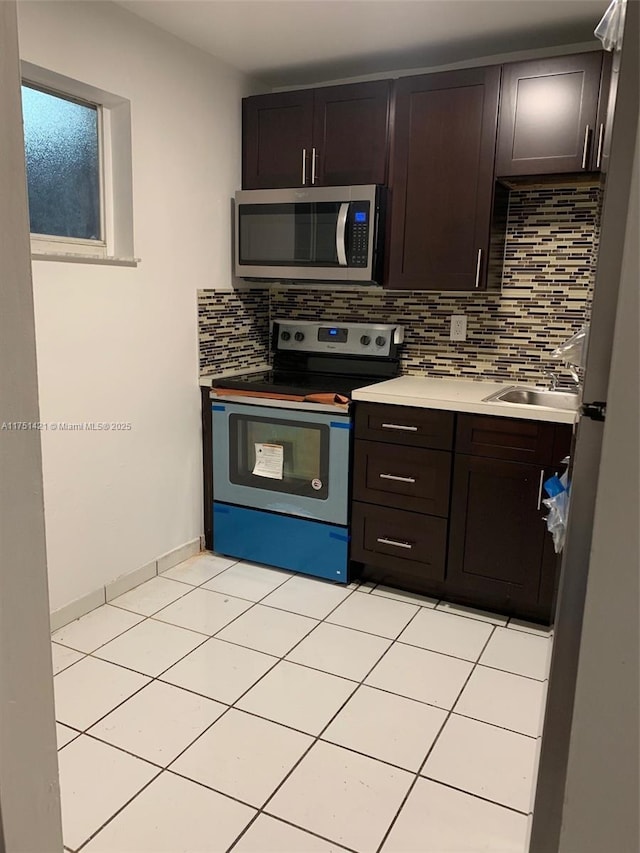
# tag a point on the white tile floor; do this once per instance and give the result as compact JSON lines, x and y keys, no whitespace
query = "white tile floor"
{"x":226,"y":706}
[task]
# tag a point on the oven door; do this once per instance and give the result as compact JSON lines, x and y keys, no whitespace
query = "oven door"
{"x":288,"y":461}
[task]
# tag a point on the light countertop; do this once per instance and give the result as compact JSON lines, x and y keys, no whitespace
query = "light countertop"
{"x":457,"y":395}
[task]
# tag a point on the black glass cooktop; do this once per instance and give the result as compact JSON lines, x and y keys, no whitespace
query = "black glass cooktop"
{"x":298,"y":384}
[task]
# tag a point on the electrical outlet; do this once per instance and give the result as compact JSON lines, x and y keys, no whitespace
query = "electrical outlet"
{"x":458,"y":331}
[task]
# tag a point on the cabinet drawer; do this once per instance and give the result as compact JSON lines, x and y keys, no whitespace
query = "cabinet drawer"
{"x":405,"y":425}
{"x":506,"y":438}
{"x":401,"y":541}
{"x":410,"y":478}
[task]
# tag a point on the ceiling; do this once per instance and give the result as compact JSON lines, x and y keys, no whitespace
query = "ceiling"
{"x":289,"y":42}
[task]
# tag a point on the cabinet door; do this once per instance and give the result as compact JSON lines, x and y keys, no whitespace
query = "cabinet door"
{"x":350,"y":125}
{"x":601,"y":147}
{"x":497,"y":533}
{"x":442,"y":180}
{"x":548,"y":115}
{"x":276,"y":140}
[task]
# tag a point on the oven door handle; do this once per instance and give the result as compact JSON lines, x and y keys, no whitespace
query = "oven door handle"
{"x":341,"y":231}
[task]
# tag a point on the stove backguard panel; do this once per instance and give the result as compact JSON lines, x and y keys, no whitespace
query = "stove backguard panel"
{"x":549,"y":270}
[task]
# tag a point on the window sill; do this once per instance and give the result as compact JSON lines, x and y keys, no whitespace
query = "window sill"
{"x":72,"y":258}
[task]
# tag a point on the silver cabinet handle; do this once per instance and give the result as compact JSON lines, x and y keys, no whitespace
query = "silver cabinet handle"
{"x":314,"y":157}
{"x":396,"y":477}
{"x":304,"y":166}
{"x":341,"y":230}
{"x":400,"y":426}
{"x":585,"y":146}
{"x":600,"y":140}
{"x":383,"y":541}
{"x":478,"y":267}
{"x":540,"y":489}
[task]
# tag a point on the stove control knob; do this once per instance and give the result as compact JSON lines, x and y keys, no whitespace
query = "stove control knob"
{"x":299,"y":336}
{"x":380,"y":341}
{"x":365,"y":340}
{"x":284,"y":336}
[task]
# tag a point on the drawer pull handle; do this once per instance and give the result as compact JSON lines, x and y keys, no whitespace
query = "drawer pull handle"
{"x":400,"y":426}
{"x":478,"y":268}
{"x":396,"y":477}
{"x":540,"y":489}
{"x":395,"y":542}
{"x":600,"y":139}
{"x":585,"y":147}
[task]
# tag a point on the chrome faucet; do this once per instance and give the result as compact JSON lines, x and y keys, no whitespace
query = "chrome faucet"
{"x":552,"y":379}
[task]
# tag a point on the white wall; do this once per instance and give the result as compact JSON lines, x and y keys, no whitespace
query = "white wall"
{"x":118,"y":344}
{"x":29,"y":788}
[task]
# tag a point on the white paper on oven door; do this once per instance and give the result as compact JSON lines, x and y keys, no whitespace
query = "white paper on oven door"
{"x":269,"y":460}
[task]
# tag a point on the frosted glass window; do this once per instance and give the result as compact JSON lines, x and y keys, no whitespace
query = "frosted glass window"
{"x":63,"y":167}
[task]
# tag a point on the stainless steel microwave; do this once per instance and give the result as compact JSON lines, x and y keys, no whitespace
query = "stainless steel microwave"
{"x":309,"y":234}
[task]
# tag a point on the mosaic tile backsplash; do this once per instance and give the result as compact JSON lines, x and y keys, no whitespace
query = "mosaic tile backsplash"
{"x":233,"y":327}
{"x":550,"y":257}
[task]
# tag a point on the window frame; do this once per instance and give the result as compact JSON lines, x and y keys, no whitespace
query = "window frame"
{"x":115,"y":174}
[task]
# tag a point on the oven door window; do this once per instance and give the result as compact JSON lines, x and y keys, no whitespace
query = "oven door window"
{"x":304,"y":455}
{"x":293,"y":234}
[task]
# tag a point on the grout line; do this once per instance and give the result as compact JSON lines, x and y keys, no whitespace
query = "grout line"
{"x":196,"y":585}
{"x":116,"y":813}
{"x":144,"y":617}
{"x":315,"y":738}
{"x":493,"y":725}
{"x":339,"y":846}
{"x":432,"y":747}
{"x":278,"y":659}
{"x":190,"y":744}
{"x":318,"y":737}
{"x":151,"y":679}
{"x":477,"y":796}
{"x":108,"y":604}
{"x":518,"y":674}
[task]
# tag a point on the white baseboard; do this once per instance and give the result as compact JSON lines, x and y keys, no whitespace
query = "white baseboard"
{"x":178,"y":555}
{"x":76,"y":609}
{"x":132,"y":579}
{"x":70,"y":612}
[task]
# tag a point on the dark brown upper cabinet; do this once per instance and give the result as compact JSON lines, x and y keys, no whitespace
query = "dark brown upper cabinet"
{"x":553,"y":115}
{"x":276,"y":134}
{"x":334,"y":136}
{"x":442,"y":180}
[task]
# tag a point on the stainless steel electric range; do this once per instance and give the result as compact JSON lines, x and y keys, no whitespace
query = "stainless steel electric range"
{"x":281,"y":445}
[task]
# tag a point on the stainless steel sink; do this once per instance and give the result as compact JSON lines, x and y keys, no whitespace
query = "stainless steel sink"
{"x":536,"y":397}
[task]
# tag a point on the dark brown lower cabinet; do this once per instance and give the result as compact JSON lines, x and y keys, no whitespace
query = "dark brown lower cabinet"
{"x":497,"y":535}
{"x":467,"y":525}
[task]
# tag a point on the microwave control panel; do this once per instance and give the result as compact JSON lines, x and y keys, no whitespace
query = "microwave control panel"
{"x":359,"y":228}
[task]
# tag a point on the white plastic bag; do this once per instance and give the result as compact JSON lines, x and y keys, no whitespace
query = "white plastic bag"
{"x":610,"y":28}
{"x":558,"y":489}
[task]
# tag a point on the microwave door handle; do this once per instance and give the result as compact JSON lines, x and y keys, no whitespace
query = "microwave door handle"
{"x":341,"y":230}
